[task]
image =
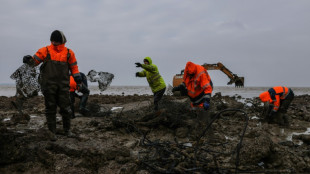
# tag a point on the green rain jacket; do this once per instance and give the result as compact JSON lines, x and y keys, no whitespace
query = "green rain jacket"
{"x":155,"y":80}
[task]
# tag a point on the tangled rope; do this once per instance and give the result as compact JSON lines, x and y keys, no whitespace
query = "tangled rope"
{"x":201,"y":155}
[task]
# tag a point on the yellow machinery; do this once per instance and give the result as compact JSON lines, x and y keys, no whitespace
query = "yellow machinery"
{"x":239,"y":81}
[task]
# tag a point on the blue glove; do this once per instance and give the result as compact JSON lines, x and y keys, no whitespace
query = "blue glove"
{"x":78,"y":79}
{"x":206,"y":105}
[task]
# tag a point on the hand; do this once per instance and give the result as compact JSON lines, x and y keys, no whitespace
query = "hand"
{"x":78,"y":79}
{"x":79,"y":87}
{"x":27,"y":59}
{"x":137,"y":74}
{"x":206,"y":105}
{"x":138,"y":64}
{"x":175,"y":89}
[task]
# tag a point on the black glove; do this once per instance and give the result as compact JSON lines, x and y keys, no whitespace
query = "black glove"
{"x":175,"y":89}
{"x":78,"y":79}
{"x":27,"y":59}
{"x":138,"y":64}
{"x":137,"y":74}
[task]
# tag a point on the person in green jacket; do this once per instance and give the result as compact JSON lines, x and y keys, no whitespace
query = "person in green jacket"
{"x":155,"y":80}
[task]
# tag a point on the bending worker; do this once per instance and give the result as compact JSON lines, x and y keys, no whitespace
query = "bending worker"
{"x":279,"y":99}
{"x":155,"y":80}
{"x":54,"y":79}
{"x":83,"y":88}
{"x":197,"y":84}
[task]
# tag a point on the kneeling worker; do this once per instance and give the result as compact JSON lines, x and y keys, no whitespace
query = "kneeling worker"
{"x":83,"y":88}
{"x":279,"y":99}
{"x":155,"y":80}
{"x":197,"y":84}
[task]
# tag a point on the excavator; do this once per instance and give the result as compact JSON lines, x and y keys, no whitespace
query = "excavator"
{"x":234,"y":78}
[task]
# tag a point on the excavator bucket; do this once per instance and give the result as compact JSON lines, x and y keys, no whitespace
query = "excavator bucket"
{"x":239,"y":82}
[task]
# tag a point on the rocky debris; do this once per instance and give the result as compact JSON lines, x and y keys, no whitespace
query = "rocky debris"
{"x":232,"y":136}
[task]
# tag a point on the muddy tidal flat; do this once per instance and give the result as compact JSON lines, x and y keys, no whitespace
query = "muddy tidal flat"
{"x":122,"y":134}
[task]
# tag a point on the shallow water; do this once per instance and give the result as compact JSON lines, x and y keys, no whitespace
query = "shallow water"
{"x":246,"y":92}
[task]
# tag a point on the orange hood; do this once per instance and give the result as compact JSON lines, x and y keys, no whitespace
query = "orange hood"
{"x":265,"y":96}
{"x":189,"y":72}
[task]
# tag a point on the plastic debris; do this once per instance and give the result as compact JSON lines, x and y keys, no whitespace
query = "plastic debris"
{"x":26,"y":79}
{"x":104,"y":79}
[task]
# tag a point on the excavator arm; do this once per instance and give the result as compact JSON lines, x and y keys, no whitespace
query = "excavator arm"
{"x":239,"y":81}
{"x":234,"y":78}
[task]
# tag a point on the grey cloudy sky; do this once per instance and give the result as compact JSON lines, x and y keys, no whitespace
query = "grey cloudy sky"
{"x":266,"y":41}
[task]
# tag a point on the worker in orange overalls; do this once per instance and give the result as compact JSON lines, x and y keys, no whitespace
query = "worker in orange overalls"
{"x":198,"y":84}
{"x":83,"y":88}
{"x":279,"y":99}
{"x":57,"y":60}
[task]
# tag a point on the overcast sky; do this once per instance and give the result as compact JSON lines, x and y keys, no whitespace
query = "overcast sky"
{"x":266,"y":41}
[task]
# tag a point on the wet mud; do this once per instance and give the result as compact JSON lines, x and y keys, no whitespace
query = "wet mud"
{"x":122,"y":134}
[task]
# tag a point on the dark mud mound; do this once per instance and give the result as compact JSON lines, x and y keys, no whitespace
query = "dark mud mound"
{"x":231,"y":137}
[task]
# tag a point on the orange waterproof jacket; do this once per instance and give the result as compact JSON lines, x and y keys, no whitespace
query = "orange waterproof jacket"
{"x":73,"y":86}
{"x":58,"y":53}
{"x":274,"y":96}
{"x":197,"y":81}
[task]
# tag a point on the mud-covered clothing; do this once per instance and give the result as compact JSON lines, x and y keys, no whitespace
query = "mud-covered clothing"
{"x":155,"y":80}
{"x":157,"y":97}
{"x":56,"y":95}
{"x":83,"y":89}
{"x":198,"y":84}
{"x":54,"y":80}
{"x":278,"y":97}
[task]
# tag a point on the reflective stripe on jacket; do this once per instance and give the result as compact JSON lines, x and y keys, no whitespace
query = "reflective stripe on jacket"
{"x":274,"y":96}
{"x":58,"y":53}
{"x":197,"y":82}
{"x":155,"y":80}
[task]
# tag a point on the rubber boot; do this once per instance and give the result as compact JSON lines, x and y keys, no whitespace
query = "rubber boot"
{"x":73,"y":112}
{"x":66,"y":121}
{"x":155,"y":106}
{"x":83,"y":102}
{"x":51,"y":124}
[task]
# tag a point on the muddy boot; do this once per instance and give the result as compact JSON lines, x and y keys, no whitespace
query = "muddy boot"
{"x":53,"y":136}
{"x":52,"y":129}
{"x":156,"y":108}
{"x":83,"y":110}
{"x":51,"y":124}
{"x":66,"y":122}
{"x":73,"y":112}
{"x":73,"y":115}
{"x":69,"y":134}
{"x":18,"y":104}
{"x":286,"y":120}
